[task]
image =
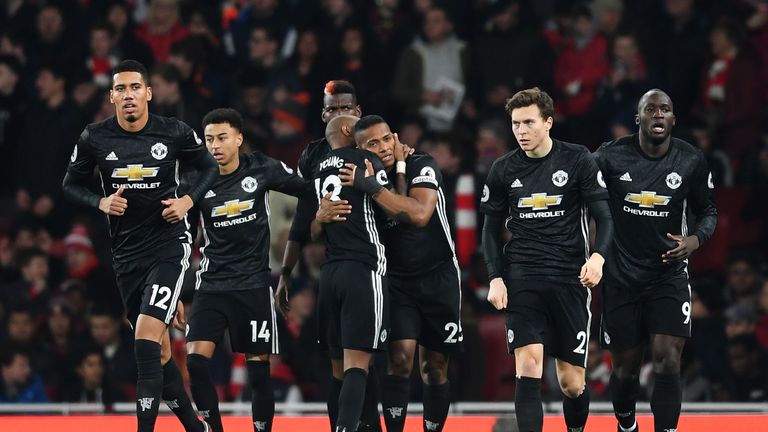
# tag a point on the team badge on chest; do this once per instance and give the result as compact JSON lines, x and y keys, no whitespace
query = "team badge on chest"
{"x":159,"y":151}
{"x":674,"y":180}
{"x":249,"y":184}
{"x":560,"y":178}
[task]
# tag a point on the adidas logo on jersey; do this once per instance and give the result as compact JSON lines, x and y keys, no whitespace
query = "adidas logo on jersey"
{"x":111,"y":156}
{"x":626,"y":177}
{"x":516,"y":184}
{"x":210,"y":194}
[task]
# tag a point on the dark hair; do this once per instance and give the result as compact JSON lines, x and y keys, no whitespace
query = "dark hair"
{"x":335,"y":87}
{"x":366,"y":122}
{"x":101,"y":309}
{"x":132,"y":66}
{"x":748,"y":341}
{"x":167,"y":72}
{"x":25,"y":256}
{"x":57,"y":70}
{"x":12,"y":62}
{"x":224,"y":115}
{"x":87,"y":351}
{"x":9,"y":353}
{"x":104,"y":26}
{"x":532,"y":96}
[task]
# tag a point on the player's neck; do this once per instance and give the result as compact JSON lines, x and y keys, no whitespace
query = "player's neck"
{"x":133,"y":126}
{"x":231,"y":167}
{"x":652,"y":149}
{"x":541,"y":150}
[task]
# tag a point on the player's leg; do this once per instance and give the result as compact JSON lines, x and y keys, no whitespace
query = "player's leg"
{"x":149,"y":384}
{"x":666,"y":352}
{"x":337,"y":380}
{"x":353,"y":389}
{"x":397,"y":384}
{"x":669,"y":325}
{"x":199,"y":353}
{"x":439,"y":300}
{"x":262,"y":395}
{"x":437,"y":390}
{"x":174,"y":393}
{"x":206,"y":324}
{"x":370,"y":420}
{"x":572,"y":380}
{"x":529,"y":367}
{"x":623,"y":333}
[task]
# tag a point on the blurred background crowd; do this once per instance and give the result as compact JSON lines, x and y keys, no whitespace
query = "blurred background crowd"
{"x":439,"y":72}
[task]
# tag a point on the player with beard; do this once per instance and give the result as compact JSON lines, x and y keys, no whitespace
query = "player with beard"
{"x":423,"y":275}
{"x":233,"y":289}
{"x":137,"y":155}
{"x":544,"y":193}
{"x":653,"y":181}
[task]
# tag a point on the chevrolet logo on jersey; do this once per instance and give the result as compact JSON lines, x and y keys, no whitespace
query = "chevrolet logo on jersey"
{"x":540,"y":201}
{"x":647,"y":200}
{"x":135,"y":172}
{"x":232,"y":208}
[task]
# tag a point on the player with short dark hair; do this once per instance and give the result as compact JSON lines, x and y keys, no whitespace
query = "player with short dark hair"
{"x":544,"y":193}
{"x":233,"y":289}
{"x":138,"y":155}
{"x":353,"y":304}
{"x":424,"y":279}
{"x":654,"y":181}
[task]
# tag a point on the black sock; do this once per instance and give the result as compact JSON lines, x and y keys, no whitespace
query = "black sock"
{"x":204,"y":391}
{"x":333,"y":401}
{"x":624,"y":397}
{"x":175,"y":396}
{"x":437,"y":400}
{"x":262,"y":395}
{"x":149,"y":383}
{"x":351,"y":399}
{"x":394,"y":401}
{"x":665,"y":401}
{"x":370,"y":421}
{"x":528,"y":409}
{"x":576,"y":411}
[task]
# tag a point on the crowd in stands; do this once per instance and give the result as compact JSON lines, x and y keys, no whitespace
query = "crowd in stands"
{"x":439,"y":71}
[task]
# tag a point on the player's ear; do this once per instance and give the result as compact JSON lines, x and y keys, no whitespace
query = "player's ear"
{"x":345,"y":130}
{"x":111,"y":99}
{"x":239,"y":139}
{"x":673,"y":120}
{"x":149,"y":93}
{"x":637,"y":119}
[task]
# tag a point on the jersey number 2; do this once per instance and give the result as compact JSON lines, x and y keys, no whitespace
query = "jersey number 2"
{"x":165,"y":295}
{"x":582,"y":337}
{"x":332,"y":181}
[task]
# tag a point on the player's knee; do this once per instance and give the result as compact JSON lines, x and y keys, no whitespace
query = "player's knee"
{"x":400,"y":363}
{"x":529,"y":366}
{"x":434,"y":371}
{"x":572,"y":387}
{"x":197,"y":366}
{"x":666,"y":362}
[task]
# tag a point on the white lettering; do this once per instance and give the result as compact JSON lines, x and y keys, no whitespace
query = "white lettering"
{"x":137,"y":185}
{"x":540,"y":215}
{"x":333,"y":161}
{"x":652,"y":213}
{"x":237,"y":221}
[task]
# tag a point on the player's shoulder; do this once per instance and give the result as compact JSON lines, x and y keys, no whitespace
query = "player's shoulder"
{"x":620,"y":144}
{"x":686,"y":147}
{"x":420,"y":158}
{"x":316,"y":148}
{"x":570,"y":149}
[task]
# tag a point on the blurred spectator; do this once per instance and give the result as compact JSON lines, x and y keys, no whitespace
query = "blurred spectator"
{"x":360,"y":65}
{"x":11,"y":113}
{"x":127,"y":45}
{"x":492,"y":141}
{"x":116,"y":343}
{"x":252,"y":105}
{"x":733,"y":92}
{"x":619,"y":93}
{"x":61,"y":345}
{"x":53,"y":42}
{"x":581,"y":64}
{"x":740,"y":319}
{"x":162,"y":28}
{"x":718,"y":162}
{"x":598,"y":371}
{"x":708,"y":329}
{"x":431,"y":72}
{"x":33,"y":287}
{"x":263,"y":51}
{"x":748,"y":381}
{"x":761,"y":328}
{"x":20,"y":384}
{"x":289,"y":127}
{"x":102,"y":58}
{"x":742,"y":281}
{"x":609,"y":17}
{"x":258,"y":13}
{"x":508,"y":32}
{"x":92,"y":384}
{"x":168,"y":99}
{"x":83,"y":264}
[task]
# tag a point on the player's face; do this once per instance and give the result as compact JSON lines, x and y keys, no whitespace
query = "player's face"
{"x":130,"y":95}
{"x":656,"y":117}
{"x":223,"y":142}
{"x":530,"y":128}
{"x":339,"y":104}
{"x":379,"y":140}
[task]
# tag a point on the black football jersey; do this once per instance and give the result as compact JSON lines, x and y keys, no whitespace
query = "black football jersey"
{"x":544,"y":201}
{"x":146,"y":164}
{"x":357,"y":238}
{"x":309,"y":162}
{"x":235,"y":222}
{"x":411,"y":250}
{"x":650,"y":198}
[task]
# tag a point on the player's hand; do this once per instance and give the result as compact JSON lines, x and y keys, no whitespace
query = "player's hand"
{"x":115,"y":204}
{"x":281,"y":296}
{"x":180,"y":320}
{"x":332,"y":211}
{"x":592,"y":271}
{"x":348,"y":173}
{"x":497,"y":294}
{"x":685,"y":247}
{"x":402,"y":151}
{"x":176,"y":208}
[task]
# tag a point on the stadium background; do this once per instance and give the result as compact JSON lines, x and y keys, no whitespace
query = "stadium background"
{"x":59,"y":307}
